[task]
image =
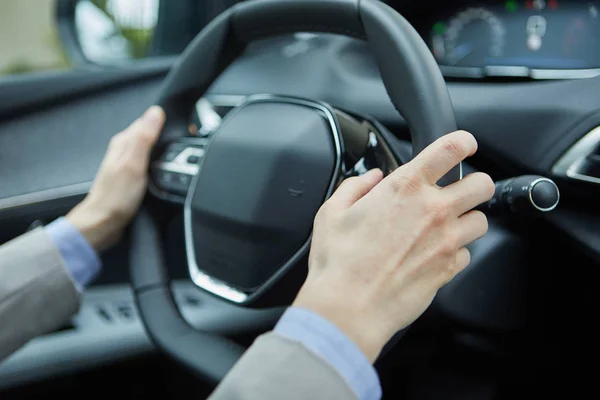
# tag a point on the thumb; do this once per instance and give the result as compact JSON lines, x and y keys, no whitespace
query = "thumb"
{"x":149,"y":126}
{"x":353,"y":189}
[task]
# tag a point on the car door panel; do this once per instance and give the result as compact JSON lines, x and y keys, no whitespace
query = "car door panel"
{"x":61,"y":144}
{"x":54,"y":129}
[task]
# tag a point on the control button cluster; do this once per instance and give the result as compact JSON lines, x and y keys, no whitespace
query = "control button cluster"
{"x":110,"y":312}
{"x":174,"y":171}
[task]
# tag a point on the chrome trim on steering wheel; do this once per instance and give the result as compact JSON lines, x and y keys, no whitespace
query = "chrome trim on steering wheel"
{"x":218,"y":287}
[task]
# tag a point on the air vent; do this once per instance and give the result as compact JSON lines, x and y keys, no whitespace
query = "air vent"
{"x":582,"y":161}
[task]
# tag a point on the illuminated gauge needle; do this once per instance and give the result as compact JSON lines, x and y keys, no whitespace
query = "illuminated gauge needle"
{"x":461,"y":52}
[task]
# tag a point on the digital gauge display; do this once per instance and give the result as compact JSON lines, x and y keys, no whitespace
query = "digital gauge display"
{"x":472,"y":35}
{"x":519,"y":36}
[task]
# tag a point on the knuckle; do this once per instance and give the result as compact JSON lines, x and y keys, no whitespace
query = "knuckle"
{"x":454,"y":146}
{"x":448,"y":246}
{"x":448,"y":273}
{"x":438,"y":211}
{"x":459,"y":144}
{"x":405,"y":183}
{"x":468,"y":141}
{"x":428,"y":168}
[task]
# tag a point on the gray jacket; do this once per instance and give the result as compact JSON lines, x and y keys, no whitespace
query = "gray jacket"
{"x":37,"y":296}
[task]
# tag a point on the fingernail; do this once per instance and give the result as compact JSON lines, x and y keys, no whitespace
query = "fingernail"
{"x":154,"y":115}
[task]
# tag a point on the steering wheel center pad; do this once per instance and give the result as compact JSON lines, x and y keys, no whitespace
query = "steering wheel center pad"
{"x":272,"y":164}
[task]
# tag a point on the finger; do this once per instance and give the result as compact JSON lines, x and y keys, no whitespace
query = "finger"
{"x":463,"y":258}
{"x":147,"y":128}
{"x":471,"y":226}
{"x":437,"y":159}
{"x":470,"y":192}
{"x":353,"y":189}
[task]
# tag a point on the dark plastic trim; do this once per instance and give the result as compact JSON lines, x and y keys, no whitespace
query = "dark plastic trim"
{"x":30,"y":92}
{"x":65,"y":21}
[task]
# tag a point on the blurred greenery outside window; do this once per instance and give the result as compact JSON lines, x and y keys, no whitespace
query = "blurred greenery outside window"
{"x":112,"y":31}
{"x":137,"y":26}
{"x":29,"y":40}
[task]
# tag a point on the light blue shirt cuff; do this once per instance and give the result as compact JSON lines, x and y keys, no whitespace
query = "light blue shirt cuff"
{"x":328,"y":342}
{"x":80,"y":258}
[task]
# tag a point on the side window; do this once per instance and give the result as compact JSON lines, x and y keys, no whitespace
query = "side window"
{"x":29,"y":40}
{"x":46,"y":35}
{"x":109,"y":32}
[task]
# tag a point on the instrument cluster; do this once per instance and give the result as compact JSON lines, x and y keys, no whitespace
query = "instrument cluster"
{"x":540,"y":39}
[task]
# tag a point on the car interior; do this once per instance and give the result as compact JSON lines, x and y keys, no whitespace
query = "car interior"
{"x":270,"y":105}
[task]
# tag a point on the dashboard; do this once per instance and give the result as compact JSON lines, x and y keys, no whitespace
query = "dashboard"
{"x":519,"y":126}
{"x":539,"y":39}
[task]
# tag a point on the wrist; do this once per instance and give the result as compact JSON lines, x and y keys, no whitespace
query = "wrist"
{"x":99,"y":228}
{"x":355,"y":321}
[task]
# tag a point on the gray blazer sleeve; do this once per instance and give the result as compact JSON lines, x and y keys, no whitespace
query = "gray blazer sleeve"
{"x":275,"y":367}
{"x":37,"y":294}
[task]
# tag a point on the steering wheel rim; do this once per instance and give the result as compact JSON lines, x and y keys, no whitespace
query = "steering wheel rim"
{"x":410,"y":75}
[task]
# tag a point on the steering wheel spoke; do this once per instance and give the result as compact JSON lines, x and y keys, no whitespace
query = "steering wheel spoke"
{"x":174,"y":170}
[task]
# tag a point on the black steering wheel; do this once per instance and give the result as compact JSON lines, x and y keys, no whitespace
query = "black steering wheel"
{"x":249,"y":210}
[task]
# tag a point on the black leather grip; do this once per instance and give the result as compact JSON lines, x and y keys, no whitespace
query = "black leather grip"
{"x":209,"y":355}
{"x":409,"y":71}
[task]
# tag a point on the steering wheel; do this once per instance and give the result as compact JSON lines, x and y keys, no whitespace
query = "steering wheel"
{"x":249,"y":210}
